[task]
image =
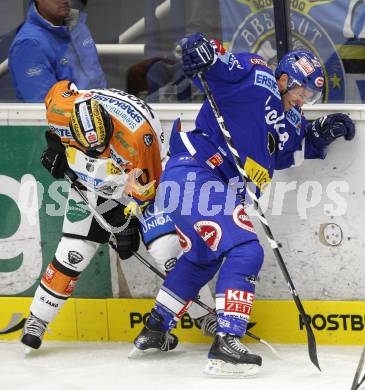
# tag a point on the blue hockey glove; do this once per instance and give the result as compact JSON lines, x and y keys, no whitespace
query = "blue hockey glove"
{"x":197,"y":54}
{"x":323,"y":131}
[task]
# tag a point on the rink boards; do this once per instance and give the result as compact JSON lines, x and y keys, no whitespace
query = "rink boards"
{"x":333,"y":322}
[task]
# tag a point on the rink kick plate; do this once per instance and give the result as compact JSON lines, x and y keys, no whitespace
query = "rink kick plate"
{"x":334,"y":322}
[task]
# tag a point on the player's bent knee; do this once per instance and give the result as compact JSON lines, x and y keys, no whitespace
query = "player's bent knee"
{"x":248,"y":256}
{"x":165,"y":250}
{"x":75,"y":254}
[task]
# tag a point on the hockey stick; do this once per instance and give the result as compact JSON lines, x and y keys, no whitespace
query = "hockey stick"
{"x":104,"y":223}
{"x":356,"y":383}
{"x":312,"y":349}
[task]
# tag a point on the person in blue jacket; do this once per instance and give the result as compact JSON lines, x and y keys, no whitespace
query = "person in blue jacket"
{"x":53,"y":44}
{"x":263,"y":115}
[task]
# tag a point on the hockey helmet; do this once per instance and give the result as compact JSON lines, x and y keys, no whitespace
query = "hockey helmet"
{"x":91,"y":126}
{"x":304,"y":70}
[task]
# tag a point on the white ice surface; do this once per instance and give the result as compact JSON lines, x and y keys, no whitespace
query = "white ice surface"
{"x":79,"y":366}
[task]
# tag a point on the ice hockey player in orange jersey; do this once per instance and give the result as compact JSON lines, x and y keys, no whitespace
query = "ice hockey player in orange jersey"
{"x":111,"y":142}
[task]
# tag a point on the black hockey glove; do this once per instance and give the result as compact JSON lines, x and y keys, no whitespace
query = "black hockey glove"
{"x":54,"y":157}
{"x":325,"y":130}
{"x":128,"y":240}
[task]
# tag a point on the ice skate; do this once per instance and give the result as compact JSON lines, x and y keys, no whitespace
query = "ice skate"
{"x":208,"y":324}
{"x":33,"y":332}
{"x":229,"y":358}
{"x":153,"y":336}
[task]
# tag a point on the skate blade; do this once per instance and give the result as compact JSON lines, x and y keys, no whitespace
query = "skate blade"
{"x":136,"y":353}
{"x":219,"y":368}
{"x":28,"y":351}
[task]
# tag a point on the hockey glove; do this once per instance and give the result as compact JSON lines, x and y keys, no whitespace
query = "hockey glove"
{"x":128,"y":240}
{"x":197,"y":54}
{"x":54,"y":157}
{"x":323,"y":131}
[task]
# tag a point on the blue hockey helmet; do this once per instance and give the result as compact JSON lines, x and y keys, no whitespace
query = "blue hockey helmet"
{"x":304,"y":70}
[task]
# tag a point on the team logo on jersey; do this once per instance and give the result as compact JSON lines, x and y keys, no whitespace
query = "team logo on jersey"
{"x":215,"y":160}
{"x":241,"y":219}
{"x":210,"y":232}
{"x":148,"y":139}
{"x":256,"y":34}
{"x":184,"y":240}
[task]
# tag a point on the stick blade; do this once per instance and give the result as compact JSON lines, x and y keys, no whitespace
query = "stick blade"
{"x":355,"y":383}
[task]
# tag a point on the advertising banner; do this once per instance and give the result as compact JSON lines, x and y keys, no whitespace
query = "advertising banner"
{"x":32,"y":204}
{"x":333,"y":29}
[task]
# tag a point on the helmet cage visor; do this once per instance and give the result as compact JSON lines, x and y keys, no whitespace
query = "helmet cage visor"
{"x":307,"y":94}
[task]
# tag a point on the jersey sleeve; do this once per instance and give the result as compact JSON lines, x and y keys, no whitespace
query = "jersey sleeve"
{"x":294,"y":147}
{"x":31,"y":71}
{"x":59,"y":104}
{"x":226,"y":75}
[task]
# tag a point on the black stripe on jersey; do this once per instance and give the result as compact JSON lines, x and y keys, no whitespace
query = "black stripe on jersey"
{"x":64,"y":270}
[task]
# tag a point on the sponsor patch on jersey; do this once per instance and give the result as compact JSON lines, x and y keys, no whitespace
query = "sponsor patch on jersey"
{"x":257,"y":173}
{"x":170,"y":264}
{"x":34,"y":71}
{"x":268,"y":81}
{"x":77,"y":211}
{"x":215,"y":160}
{"x":71,"y":286}
{"x":61,"y":131}
{"x":184,"y":240}
{"x":241,"y":219}
{"x":238,"y":303}
{"x":122,"y":110}
{"x":258,"y":61}
{"x":75,"y":257}
{"x":210,"y":232}
{"x":48,"y":275}
{"x":294,"y":117}
{"x":305,"y":66}
{"x":147,"y":139}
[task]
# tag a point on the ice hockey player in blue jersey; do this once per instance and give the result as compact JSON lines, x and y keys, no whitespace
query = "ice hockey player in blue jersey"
{"x":263,"y":115}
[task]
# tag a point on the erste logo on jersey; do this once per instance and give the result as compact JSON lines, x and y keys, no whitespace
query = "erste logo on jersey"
{"x":210,"y":232}
{"x":294,"y":117}
{"x":268,"y":81}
